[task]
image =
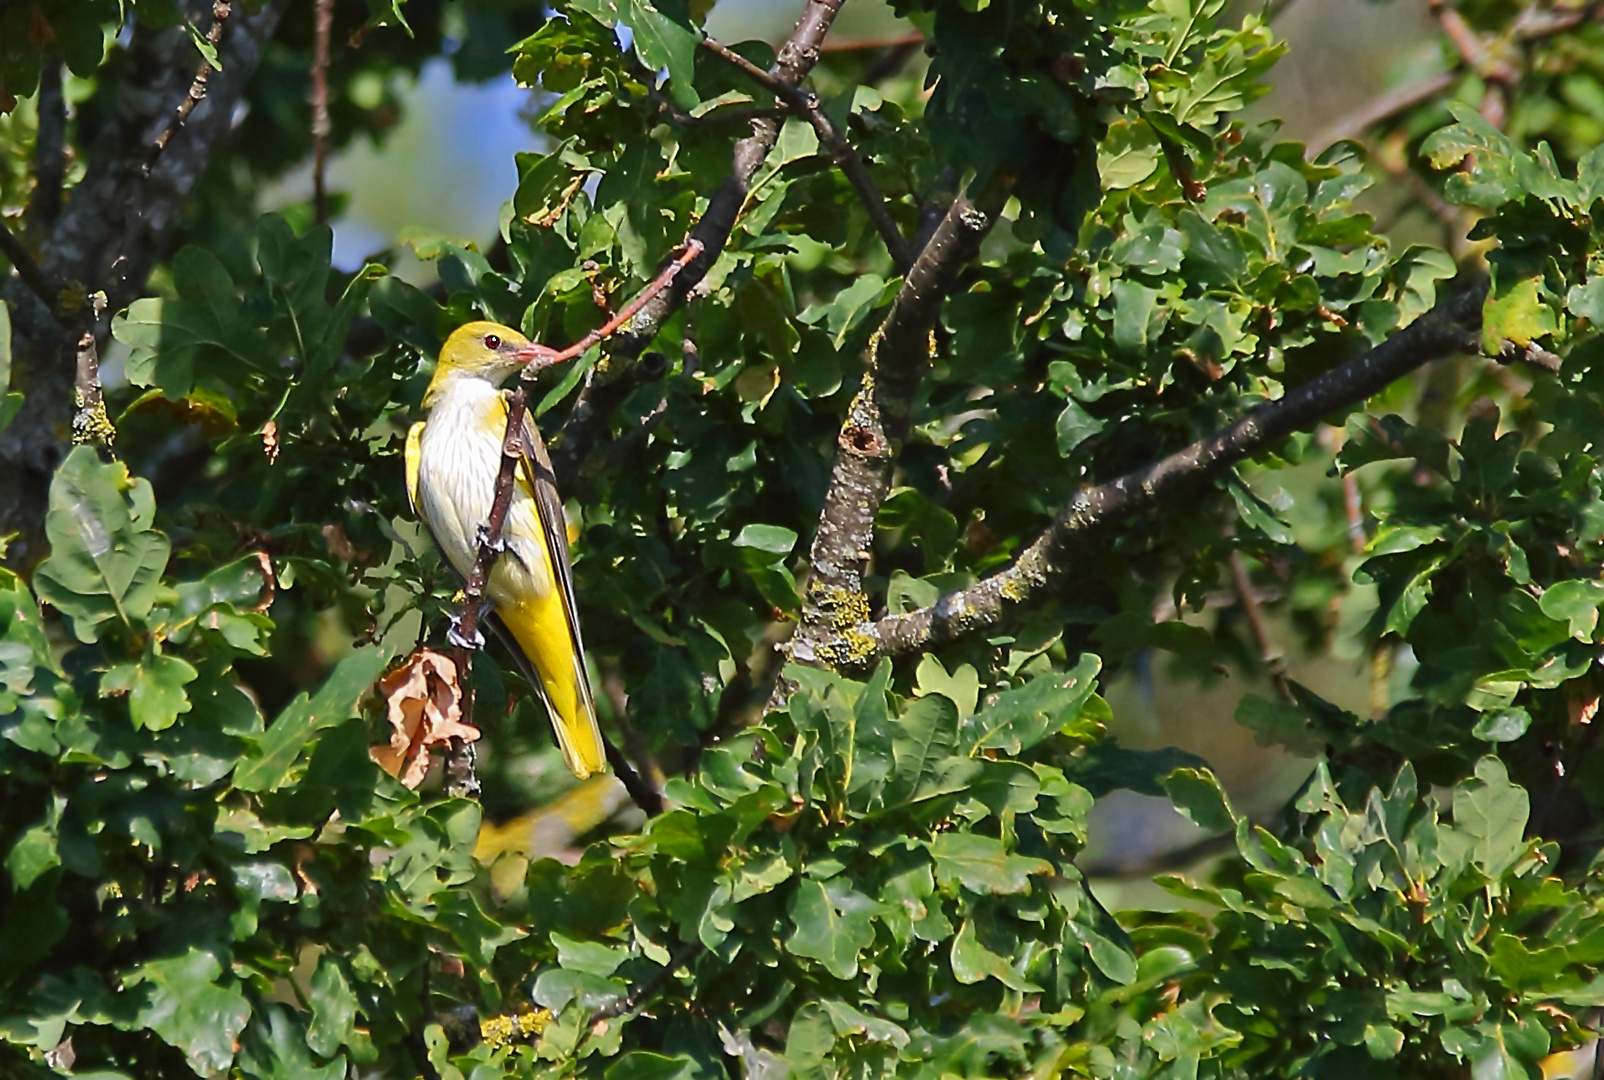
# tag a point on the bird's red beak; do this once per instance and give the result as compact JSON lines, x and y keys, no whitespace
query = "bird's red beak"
{"x":535,"y":355}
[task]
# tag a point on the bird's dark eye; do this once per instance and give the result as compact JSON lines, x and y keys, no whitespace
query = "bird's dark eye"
{"x":492,"y":342}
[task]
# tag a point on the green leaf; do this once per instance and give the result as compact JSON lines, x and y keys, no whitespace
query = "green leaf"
{"x":663,"y":38}
{"x":926,"y":736}
{"x":1074,"y":426}
{"x":1575,"y":602}
{"x":105,"y":560}
{"x":155,"y":689}
{"x":1199,"y":796}
{"x":832,"y":923}
{"x":1493,"y":812}
{"x":334,"y":1006}
{"x":650,"y":1065}
{"x":1016,"y":720}
{"x":986,"y":949}
{"x":1517,"y":314}
{"x":1505,"y":725}
{"x":277,"y":749}
{"x":33,"y":853}
{"x":188,"y":1002}
{"x":982,"y":864}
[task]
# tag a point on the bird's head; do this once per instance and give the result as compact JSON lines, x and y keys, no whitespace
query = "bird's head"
{"x":483,"y":350}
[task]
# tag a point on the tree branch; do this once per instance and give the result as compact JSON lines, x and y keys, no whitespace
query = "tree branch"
{"x":49,"y":150}
{"x":221,"y":10}
{"x":805,"y":104}
{"x":1451,"y":328}
{"x":32,"y":275}
{"x":876,"y":424}
{"x":593,"y":408}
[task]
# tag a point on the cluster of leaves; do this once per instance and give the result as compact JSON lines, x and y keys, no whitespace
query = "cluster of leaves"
{"x":1382,"y":939}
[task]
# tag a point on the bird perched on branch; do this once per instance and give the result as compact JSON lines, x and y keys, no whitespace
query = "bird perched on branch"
{"x":452,"y":461}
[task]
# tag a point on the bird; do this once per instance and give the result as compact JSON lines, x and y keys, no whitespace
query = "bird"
{"x":452,"y":458}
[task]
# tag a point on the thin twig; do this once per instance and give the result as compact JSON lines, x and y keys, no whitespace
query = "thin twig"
{"x":1384,"y":107}
{"x":1275,"y":663}
{"x":896,"y":57}
{"x":805,"y":104}
{"x":324,"y":25}
{"x":90,"y":424}
{"x":197,"y":87}
{"x":27,"y":269}
{"x":1451,"y":328}
{"x":1532,"y":24}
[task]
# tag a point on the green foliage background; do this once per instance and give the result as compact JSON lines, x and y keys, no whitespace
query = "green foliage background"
{"x":205,"y":873}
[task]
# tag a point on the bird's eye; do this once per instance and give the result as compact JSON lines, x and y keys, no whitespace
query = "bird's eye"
{"x":492,"y":342}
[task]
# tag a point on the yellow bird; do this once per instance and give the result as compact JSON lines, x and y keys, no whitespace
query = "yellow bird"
{"x":452,"y":461}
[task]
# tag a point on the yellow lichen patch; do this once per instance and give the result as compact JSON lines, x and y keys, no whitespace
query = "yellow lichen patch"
{"x":91,"y":424}
{"x":849,"y":650}
{"x":501,"y":1031}
{"x":844,"y":608}
{"x":1014,"y":588}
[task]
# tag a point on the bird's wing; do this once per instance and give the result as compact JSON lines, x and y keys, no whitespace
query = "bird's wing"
{"x":537,"y":477}
{"x":414,"y":455}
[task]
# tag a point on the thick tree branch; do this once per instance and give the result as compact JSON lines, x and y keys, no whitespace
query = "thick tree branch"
{"x":1449,"y":329}
{"x":31,"y":273}
{"x":796,"y":58}
{"x":49,"y":150}
{"x":805,"y":104}
{"x":876,"y":424}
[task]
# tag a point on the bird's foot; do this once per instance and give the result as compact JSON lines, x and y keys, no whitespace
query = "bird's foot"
{"x":496,"y":544}
{"x":457,"y":638}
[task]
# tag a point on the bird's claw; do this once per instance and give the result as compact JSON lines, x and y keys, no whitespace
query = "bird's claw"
{"x":457,"y":638}
{"x":496,"y":544}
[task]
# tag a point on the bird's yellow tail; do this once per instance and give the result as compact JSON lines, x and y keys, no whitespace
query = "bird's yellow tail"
{"x":540,"y":626}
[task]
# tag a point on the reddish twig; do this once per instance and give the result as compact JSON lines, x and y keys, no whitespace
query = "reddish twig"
{"x":324,"y":25}
{"x":197,"y":87}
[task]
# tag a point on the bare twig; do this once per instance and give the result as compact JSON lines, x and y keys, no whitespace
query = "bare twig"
{"x":90,"y":424}
{"x":1384,"y":107}
{"x":221,"y":9}
{"x":1274,"y":661}
{"x":323,"y":26}
{"x":896,"y":57}
{"x":28,"y":270}
{"x":1451,"y":328}
{"x":805,"y":104}
{"x":49,"y":149}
